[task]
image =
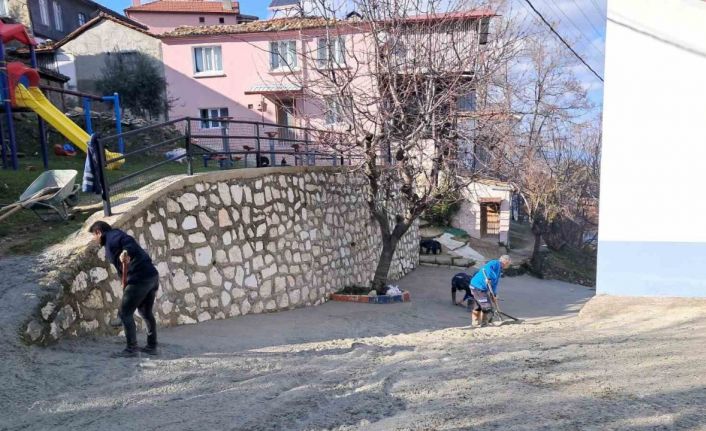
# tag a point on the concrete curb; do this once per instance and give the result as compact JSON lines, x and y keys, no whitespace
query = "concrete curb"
{"x":378,"y":299}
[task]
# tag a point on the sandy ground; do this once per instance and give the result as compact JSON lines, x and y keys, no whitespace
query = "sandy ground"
{"x":343,"y":366}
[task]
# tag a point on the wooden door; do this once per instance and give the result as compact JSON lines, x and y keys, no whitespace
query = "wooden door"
{"x":285,"y":118}
{"x":489,"y":219}
{"x":493,"y":219}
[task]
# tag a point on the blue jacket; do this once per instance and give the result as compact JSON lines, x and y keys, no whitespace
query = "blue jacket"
{"x":492,"y":270}
{"x":140,"y":268}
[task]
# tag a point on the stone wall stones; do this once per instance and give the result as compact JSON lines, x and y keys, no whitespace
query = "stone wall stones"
{"x":232,"y":243}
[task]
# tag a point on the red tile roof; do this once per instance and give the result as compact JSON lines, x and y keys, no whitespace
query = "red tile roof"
{"x":185,"y":6}
{"x":52,"y":46}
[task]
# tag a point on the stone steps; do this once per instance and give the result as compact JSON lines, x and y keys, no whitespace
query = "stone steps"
{"x":445,"y":260}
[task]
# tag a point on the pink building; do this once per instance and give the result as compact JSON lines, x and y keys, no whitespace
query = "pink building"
{"x":233,"y":72}
{"x":161,"y":16}
{"x":270,"y":72}
{"x":260,"y":71}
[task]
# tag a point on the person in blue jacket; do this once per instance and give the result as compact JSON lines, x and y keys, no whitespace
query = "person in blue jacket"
{"x":487,"y":277}
{"x":142,"y":284}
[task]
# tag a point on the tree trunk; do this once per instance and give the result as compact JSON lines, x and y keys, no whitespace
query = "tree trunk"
{"x":536,"y":260}
{"x":389,"y":245}
{"x":538,"y":228}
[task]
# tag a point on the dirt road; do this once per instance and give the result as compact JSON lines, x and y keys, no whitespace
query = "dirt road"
{"x":341,"y":366}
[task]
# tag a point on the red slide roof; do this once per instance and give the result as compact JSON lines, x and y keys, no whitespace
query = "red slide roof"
{"x":10,"y":32}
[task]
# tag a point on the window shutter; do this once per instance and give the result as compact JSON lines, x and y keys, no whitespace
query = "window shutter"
{"x":44,"y":11}
{"x":57,"y":16}
{"x":274,"y":55}
{"x":329,"y":110}
{"x":321,"y":52}
{"x":208,"y":59}
{"x":484,"y":30}
{"x":340,"y":50}
{"x":292,"y":54}
{"x":198,"y":60}
{"x":218,"y":58}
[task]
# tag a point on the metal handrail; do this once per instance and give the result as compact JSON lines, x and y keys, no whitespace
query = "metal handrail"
{"x":142,"y":129}
{"x":142,"y":150}
{"x":308,"y":153}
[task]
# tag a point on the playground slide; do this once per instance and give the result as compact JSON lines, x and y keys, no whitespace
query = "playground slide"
{"x":34,"y":99}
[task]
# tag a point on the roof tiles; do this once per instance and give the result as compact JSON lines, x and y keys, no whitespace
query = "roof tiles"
{"x":272,"y":25}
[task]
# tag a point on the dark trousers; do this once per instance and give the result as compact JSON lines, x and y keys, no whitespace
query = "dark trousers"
{"x":139,"y":296}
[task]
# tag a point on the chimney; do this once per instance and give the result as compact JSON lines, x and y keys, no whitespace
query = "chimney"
{"x":227,"y":5}
{"x":136,"y":2}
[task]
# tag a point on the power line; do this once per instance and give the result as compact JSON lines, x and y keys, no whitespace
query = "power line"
{"x":598,"y":8}
{"x":598,"y":33}
{"x":563,"y":41}
{"x":555,"y":6}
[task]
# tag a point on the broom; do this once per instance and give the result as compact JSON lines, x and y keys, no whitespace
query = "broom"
{"x":496,"y":306}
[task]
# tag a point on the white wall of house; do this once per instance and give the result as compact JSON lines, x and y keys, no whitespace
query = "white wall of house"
{"x":306,"y":8}
{"x":652,"y":234}
{"x":468,"y":217}
{"x":84,"y":57}
{"x":67,"y":66}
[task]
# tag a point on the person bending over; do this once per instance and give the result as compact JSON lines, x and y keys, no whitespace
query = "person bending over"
{"x":141,"y":288}
{"x":488,"y":277}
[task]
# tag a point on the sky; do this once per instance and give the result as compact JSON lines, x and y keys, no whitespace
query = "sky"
{"x":580,"y":22}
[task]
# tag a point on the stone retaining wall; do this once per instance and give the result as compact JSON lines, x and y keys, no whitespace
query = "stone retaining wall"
{"x":231,"y":243}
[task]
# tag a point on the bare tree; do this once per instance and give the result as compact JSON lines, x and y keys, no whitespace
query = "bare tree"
{"x":545,"y":156}
{"x":395,"y":79}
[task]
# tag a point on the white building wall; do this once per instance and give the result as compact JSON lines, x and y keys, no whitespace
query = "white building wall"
{"x":83,"y":58}
{"x":468,"y":216}
{"x":652,"y":235}
{"x":67,"y":66}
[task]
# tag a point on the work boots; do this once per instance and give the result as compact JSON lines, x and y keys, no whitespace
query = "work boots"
{"x":128,"y":352}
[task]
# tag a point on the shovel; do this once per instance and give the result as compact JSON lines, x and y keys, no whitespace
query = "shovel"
{"x":496,"y":306}
{"x":116,"y":323}
{"x":124,"y":271}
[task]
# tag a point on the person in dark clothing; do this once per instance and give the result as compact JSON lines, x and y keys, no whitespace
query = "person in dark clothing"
{"x":460,"y":281}
{"x":141,"y":288}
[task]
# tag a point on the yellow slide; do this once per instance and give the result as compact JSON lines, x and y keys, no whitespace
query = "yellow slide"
{"x":34,"y":99}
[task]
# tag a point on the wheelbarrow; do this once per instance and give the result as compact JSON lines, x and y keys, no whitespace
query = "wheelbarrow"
{"x":50,"y":196}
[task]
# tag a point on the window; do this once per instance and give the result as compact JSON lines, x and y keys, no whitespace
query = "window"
{"x":58,"y":21}
{"x":208,"y":61}
{"x":208,"y":114}
{"x":44,"y":11}
{"x":221,"y":20}
{"x":334,"y":110}
{"x":331,"y":51}
{"x":81,"y":19}
{"x":467,"y":102}
{"x":202,"y":19}
{"x":283,"y":54}
{"x":484,"y":31}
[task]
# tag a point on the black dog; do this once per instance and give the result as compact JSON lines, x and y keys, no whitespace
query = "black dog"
{"x":429,"y":245}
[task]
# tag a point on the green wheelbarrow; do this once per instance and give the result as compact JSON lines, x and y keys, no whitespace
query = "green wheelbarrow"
{"x":50,"y":196}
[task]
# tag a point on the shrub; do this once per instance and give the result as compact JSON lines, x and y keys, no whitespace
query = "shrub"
{"x":138,"y":80}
